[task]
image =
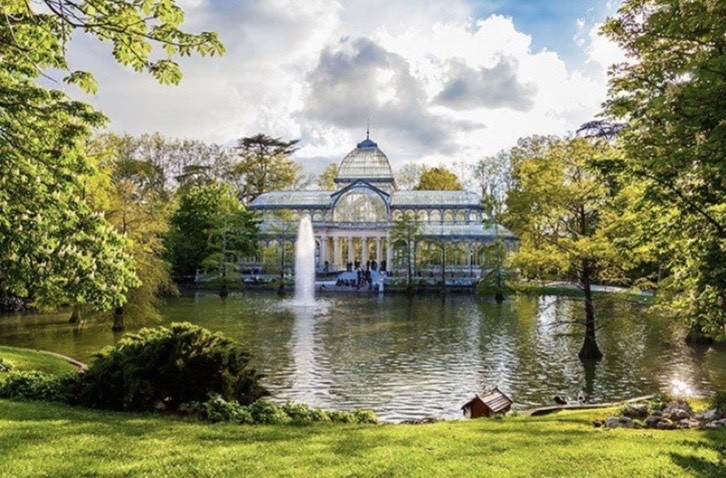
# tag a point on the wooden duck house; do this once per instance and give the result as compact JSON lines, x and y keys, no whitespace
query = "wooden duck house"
{"x":487,"y":404}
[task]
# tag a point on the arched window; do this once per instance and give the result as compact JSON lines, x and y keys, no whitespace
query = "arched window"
{"x":435,"y":215}
{"x":423,"y":216}
{"x":360,"y":205}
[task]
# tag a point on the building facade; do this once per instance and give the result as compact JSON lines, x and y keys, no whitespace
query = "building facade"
{"x":353,"y":224}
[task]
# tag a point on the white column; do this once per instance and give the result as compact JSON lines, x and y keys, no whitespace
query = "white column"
{"x":323,"y":251}
{"x":363,"y":251}
{"x":336,"y":253}
{"x":389,"y":254}
{"x":378,"y":250}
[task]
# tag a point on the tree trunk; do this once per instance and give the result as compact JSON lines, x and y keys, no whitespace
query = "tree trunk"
{"x":281,"y":288}
{"x":118,"y":319}
{"x":443,"y":267}
{"x":589,"y":350}
{"x":223,"y":291}
{"x":75,"y":315}
{"x":696,"y":336}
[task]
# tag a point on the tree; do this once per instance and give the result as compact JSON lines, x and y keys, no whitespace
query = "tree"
{"x":126,"y":191}
{"x":232,"y":235}
{"x":283,"y":228}
{"x":494,"y":177}
{"x":326,"y":180}
{"x":556,"y":208}
{"x":265,"y":165}
{"x":209,"y":226}
{"x":403,"y":235}
{"x":438,"y":179}
{"x":409,"y":175}
{"x":671,"y":94}
{"x":52,"y":245}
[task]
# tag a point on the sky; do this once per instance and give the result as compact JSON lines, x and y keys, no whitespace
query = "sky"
{"x":438,"y":81}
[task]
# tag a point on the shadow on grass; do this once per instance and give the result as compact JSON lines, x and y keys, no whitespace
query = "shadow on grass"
{"x":715,"y":440}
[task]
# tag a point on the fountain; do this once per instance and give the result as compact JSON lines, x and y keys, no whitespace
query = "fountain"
{"x":305,"y":264}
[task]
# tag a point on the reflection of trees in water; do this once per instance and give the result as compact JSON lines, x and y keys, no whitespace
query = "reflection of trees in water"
{"x":423,"y":354}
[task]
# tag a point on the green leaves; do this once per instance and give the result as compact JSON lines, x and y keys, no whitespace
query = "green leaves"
{"x":438,"y":179}
{"x":672,"y":94}
{"x":53,"y":246}
{"x":84,"y":80}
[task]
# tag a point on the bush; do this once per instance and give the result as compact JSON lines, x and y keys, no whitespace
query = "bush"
{"x":660,"y":401}
{"x":4,"y":366}
{"x":365,"y":416}
{"x":301,"y":414}
{"x":218,"y":409}
{"x":40,"y":386}
{"x":263,"y":412}
{"x":338,"y":416}
{"x":160,"y":369}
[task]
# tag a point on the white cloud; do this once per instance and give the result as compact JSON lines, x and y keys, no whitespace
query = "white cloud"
{"x":319,"y":69}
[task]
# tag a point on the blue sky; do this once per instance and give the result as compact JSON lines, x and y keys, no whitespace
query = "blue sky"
{"x":442,"y":82}
{"x":552,"y":24}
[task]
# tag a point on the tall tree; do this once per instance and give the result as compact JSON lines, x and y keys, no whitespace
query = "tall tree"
{"x":671,"y":93}
{"x":409,"y":175}
{"x":403,"y":235}
{"x":52,"y":246}
{"x":493,"y":175}
{"x":326,"y":180}
{"x":209,"y":220}
{"x":232,"y":235}
{"x":126,"y":191}
{"x":556,"y":209}
{"x":265,"y":165}
{"x":438,"y":179}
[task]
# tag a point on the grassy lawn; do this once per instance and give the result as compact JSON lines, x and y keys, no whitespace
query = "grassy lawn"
{"x":26,"y":359}
{"x":38,"y":439}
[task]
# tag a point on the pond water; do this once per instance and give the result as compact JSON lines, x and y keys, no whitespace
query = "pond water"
{"x":426,"y":356}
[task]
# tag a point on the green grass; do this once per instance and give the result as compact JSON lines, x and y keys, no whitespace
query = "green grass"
{"x":39,"y":439}
{"x":27,"y":359}
{"x":536,"y":290}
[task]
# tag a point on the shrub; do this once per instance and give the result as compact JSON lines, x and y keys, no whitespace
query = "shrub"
{"x":301,"y":414}
{"x":4,"y":366}
{"x":338,"y":416}
{"x":40,"y":386}
{"x":159,"y":369}
{"x":365,"y":416}
{"x":660,"y":401}
{"x":264,"y":412}
{"x":218,"y":409}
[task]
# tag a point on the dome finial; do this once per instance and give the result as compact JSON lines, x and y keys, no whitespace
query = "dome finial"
{"x":368,"y":128}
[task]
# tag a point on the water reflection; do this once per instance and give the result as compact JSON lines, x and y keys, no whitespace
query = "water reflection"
{"x":426,"y":356}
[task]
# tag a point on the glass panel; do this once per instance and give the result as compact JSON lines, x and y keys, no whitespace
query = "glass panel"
{"x":361,"y":206}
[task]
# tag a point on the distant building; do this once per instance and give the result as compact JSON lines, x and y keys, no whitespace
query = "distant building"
{"x":487,"y":404}
{"x":352,"y":224}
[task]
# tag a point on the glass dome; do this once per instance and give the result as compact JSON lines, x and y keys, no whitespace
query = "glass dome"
{"x":360,"y":205}
{"x":366,"y":161}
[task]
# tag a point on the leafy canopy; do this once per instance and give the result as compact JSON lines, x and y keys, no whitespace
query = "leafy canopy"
{"x":438,"y":179}
{"x":672,"y":93}
{"x":53,"y":247}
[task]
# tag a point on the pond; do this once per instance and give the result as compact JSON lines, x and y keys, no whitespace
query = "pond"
{"x":426,"y":356}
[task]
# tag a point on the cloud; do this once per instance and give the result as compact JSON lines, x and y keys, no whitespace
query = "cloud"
{"x":497,"y":87}
{"x":356,"y":80}
{"x":439,"y":83}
